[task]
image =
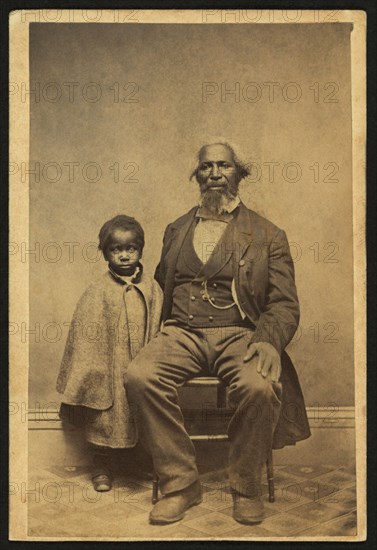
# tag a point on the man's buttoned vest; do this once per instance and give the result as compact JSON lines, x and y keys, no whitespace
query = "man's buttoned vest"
{"x":202,"y":295}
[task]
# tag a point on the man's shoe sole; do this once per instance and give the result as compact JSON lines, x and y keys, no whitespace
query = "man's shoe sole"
{"x":165,"y":521}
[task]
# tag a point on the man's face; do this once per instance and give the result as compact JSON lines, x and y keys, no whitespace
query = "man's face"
{"x":122,"y":252}
{"x":217,"y":172}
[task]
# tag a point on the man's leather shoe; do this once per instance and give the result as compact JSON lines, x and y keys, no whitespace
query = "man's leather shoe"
{"x":172,"y":507}
{"x":247,"y":510}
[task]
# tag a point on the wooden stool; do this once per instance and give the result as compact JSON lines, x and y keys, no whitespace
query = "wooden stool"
{"x":212,"y":382}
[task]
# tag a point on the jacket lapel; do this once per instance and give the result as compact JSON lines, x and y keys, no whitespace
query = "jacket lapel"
{"x":243,"y":234}
{"x":180,"y":231}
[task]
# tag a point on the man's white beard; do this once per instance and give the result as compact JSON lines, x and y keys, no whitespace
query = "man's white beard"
{"x":215,"y":200}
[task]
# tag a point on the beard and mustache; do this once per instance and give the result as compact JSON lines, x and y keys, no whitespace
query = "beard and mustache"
{"x":216,"y":199}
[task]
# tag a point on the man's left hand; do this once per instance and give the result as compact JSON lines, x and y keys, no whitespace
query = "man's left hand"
{"x":268,"y":359}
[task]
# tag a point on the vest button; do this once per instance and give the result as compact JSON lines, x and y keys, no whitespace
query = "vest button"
{"x":191,"y":317}
{"x":210,"y":318}
{"x":241,"y":263}
{"x":214,"y":285}
{"x":193,"y":298}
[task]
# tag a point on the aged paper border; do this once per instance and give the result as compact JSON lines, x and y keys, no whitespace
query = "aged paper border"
{"x":19,"y":21}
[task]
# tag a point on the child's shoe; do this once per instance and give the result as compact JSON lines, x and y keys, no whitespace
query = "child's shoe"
{"x":102,"y":483}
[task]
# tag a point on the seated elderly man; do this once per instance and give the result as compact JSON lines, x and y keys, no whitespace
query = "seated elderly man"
{"x":230,"y":309}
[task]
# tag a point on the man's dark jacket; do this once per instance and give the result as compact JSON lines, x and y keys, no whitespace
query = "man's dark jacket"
{"x":266,"y":293}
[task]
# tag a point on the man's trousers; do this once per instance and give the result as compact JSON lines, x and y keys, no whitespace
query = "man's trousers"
{"x":167,"y":362}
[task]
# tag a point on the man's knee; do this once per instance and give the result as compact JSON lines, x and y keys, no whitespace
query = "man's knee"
{"x":256,"y":399}
{"x":255,"y":388}
{"x":145,"y":377}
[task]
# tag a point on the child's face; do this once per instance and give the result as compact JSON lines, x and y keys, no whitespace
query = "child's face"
{"x":122,"y":252}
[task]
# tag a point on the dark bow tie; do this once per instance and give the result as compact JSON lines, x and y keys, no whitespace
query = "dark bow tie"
{"x":205,"y":214}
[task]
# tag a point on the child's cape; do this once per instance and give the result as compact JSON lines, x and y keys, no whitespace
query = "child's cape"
{"x":99,"y":335}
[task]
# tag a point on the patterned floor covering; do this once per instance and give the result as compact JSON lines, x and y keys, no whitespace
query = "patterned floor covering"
{"x":313,"y":501}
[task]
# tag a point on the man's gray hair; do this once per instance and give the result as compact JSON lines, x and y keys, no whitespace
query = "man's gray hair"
{"x":243,"y":169}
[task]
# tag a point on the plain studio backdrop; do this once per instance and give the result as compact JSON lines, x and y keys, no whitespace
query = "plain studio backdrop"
{"x":116,"y":118}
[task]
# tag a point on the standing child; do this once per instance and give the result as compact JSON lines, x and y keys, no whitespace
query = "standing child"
{"x":115,"y":317}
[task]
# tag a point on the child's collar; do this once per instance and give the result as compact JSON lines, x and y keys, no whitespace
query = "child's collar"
{"x":135,"y":278}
